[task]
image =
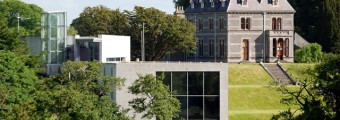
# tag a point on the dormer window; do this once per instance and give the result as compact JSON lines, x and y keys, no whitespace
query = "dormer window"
{"x":275,"y":2}
{"x":202,"y":3}
{"x":192,"y":4}
{"x":212,"y":3}
{"x":244,"y":2}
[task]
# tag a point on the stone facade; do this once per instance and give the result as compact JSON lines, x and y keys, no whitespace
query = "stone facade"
{"x":242,"y":30}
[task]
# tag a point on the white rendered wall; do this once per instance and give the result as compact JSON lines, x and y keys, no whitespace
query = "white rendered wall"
{"x":113,"y":46}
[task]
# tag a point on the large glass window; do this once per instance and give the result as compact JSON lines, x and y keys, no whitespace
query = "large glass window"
{"x":198,"y":93}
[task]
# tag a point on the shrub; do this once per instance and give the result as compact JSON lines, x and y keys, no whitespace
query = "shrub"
{"x":310,"y":53}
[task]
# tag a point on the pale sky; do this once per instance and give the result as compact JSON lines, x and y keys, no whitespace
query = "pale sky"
{"x":75,"y":7}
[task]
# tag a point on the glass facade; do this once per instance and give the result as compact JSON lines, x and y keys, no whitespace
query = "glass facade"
{"x":198,"y":92}
{"x":53,"y":36}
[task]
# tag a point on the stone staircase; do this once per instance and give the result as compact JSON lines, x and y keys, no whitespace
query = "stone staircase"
{"x":278,"y":73}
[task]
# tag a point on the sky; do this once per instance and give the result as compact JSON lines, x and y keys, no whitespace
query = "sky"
{"x":75,"y":7}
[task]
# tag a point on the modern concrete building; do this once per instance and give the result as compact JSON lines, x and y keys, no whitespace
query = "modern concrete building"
{"x":202,"y":88}
{"x":242,"y":30}
{"x":104,"y":48}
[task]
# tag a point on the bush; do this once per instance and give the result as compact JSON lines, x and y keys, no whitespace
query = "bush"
{"x":310,"y":53}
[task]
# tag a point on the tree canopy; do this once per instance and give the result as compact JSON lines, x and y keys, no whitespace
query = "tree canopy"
{"x":318,"y":21}
{"x":29,"y":16}
{"x":80,"y":91}
{"x":100,"y":20}
{"x":318,"y":97}
{"x":156,"y":100}
{"x":17,"y":83}
{"x":163,"y":33}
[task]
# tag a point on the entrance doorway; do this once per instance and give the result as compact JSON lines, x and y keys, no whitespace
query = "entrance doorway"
{"x":280,"y":49}
{"x":245,"y":49}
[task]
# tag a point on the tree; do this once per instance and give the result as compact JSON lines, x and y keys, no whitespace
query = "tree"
{"x":318,"y":97}
{"x":156,"y":100}
{"x":9,"y":41}
{"x":29,"y":13}
{"x":100,"y":20}
{"x":71,"y":31}
{"x":17,"y":82}
{"x":80,"y":91}
{"x":310,"y":53}
{"x":318,"y":21}
{"x":184,"y":3}
{"x":329,"y":25}
{"x":163,"y":33}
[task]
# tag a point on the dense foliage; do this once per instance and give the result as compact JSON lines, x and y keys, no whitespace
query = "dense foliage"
{"x":163,"y":33}
{"x":80,"y":91}
{"x":318,"y":21}
{"x":318,"y":97}
{"x":156,"y":100}
{"x":17,"y":83}
{"x":310,"y":53}
{"x":29,"y":16}
{"x":100,"y":20}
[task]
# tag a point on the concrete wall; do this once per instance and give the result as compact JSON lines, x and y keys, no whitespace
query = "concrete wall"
{"x":130,"y":71}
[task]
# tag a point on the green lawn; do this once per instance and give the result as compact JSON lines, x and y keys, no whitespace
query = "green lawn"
{"x":251,"y":116}
{"x":250,"y":97}
{"x":300,"y":71}
{"x":248,"y":74}
{"x":260,"y":98}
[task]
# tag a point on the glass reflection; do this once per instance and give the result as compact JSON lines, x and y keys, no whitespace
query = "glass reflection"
{"x":195,"y":108}
{"x":211,"y":83}
{"x":211,"y":108}
{"x":179,"y":83}
{"x":195,"y":83}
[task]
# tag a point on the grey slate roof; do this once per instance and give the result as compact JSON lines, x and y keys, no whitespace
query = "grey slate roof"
{"x":207,"y":7}
{"x":235,"y":6}
{"x":264,"y":6}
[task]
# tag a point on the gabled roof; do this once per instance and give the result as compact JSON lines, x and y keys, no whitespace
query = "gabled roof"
{"x":234,"y":6}
{"x":263,"y":6}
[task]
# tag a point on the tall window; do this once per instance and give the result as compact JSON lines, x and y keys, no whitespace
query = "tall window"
{"x":221,"y":24}
{"x":244,"y":2}
{"x":274,"y":47}
{"x":198,"y":92}
{"x":287,"y":47}
{"x":200,"y":51}
{"x":200,"y":24}
{"x":275,"y":2}
{"x":211,"y":24}
{"x":221,"y":48}
{"x":276,"y":23}
{"x":211,"y":48}
{"x":245,"y":23}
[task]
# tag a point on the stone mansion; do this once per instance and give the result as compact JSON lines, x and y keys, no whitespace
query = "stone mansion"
{"x":242,"y":30}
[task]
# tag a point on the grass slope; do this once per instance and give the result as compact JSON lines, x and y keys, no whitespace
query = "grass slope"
{"x":248,"y":74}
{"x":300,"y":71}
{"x":250,"y":98}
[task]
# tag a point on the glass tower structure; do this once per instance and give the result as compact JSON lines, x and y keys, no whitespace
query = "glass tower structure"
{"x":53,"y":36}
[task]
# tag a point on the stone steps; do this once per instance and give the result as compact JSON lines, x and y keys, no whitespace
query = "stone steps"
{"x":278,"y":74}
